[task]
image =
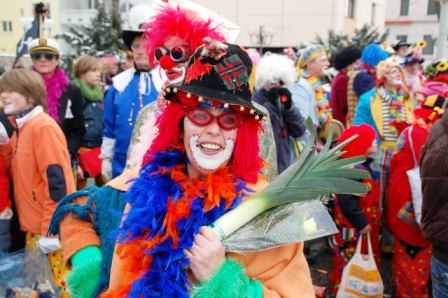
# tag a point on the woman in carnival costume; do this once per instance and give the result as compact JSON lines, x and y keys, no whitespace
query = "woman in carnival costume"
{"x":356,"y":215}
{"x":84,"y":220}
{"x":411,"y":248}
{"x":205,"y":166}
{"x":172,"y":37}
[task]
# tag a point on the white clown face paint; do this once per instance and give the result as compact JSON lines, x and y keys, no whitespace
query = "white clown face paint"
{"x":395,"y":77}
{"x":208,"y":148}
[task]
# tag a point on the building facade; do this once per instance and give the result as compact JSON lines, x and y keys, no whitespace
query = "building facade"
{"x":285,"y":23}
{"x":413,"y":20}
{"x":16,"y":16}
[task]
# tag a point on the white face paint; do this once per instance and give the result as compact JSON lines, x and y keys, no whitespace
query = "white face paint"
{"x":211,"y":162}
{"x":209,"y":147}
{"x":395,"y":77}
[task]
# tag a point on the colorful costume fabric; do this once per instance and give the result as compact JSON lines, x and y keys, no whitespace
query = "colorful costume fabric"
{"x":164,"y":183}
{"x":130,"y":92}
{"x":411,"y":260}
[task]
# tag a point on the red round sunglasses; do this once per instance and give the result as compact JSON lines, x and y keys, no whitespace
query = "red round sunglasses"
{"x":203,"y":117}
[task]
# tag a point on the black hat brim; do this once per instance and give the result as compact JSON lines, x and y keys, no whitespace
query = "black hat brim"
{"x":225,"y":97}
{"x":129,"y":36}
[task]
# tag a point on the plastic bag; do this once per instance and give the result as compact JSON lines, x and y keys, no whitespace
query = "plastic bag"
{"x":415,"y":182}
{"x":25,"y":274}
{"x":361,"y":277}
{"x":285,"y":224}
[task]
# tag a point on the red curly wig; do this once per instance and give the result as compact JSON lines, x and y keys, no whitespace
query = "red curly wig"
{"x":178,"y":23}
{"x":246,"y":162}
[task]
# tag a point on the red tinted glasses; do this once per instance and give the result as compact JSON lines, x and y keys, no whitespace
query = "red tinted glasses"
{"x":203,"y":117}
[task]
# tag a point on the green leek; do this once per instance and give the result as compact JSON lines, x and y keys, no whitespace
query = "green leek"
{"x":314,"y":176}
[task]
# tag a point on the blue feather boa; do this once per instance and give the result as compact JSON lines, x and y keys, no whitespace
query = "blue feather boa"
{"x":148,"y":197}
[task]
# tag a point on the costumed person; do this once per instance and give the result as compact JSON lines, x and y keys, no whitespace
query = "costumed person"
{"x":345,"y":62}
{"x":274,"y":73}
{"x":88,"y":78}
{"x":388,"y":109}
{"x":172,"y":37}
{"x":401,"y":48}
{"x":434,"y":221}
{"x":363,"y":79}
{"x":310,"y":93}
{"x":64,"y":100}
{"x":38,"y":162}
{"x":193,"y":175}
{"x":356,"y":215}
{"x":411,"y":249}
{"x":412,"y":65}
{"x":130,"y":92}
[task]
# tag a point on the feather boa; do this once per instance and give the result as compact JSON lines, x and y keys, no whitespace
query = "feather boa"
{"x":168,"y":208}
{"x":56,"y":86}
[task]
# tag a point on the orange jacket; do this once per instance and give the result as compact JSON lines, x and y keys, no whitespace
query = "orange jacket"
{"x":40,"y":170}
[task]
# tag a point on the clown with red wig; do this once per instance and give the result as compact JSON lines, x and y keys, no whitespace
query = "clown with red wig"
{"x":204,"y":162}
{"x":403,"y":215}
{"x":356,"y":215}
{"x":172,"y":36}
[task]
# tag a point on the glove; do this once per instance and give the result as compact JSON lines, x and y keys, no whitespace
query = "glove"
{"x":229,"y":281}
{"x":47,"y":244}
{"x":106,"y":169}
{"x":282,"y":94}
{"x":285,"y":97}
{"x":85,"y":275}
{"x":6,"y":129}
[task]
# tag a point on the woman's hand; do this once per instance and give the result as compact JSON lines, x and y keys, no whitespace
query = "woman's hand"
{"x":206,"y":255}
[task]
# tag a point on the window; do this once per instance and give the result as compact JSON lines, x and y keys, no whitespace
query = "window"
{"x":404,"y":8}
{"x":373,"y":16}
{"x":402,"y":38}
{"x":7,"y":26}
{"x":430,"y":42}
{"x":92,"y":4}
{"x":350,"y":13}
{"x":433,"y":7}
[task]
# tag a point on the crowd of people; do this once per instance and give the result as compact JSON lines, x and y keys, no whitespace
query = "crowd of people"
{"x":187,"y":131}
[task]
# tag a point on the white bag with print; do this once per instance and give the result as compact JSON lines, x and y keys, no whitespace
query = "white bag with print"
{"x":361,"y":278}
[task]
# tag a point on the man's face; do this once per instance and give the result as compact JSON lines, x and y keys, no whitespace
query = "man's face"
{"x":139,"y":53}
{"x":45,"y":63}
{"x":412,"y":68}
{"x":403,"y":51}
{"x":318,"y":66}
{"x":173,"y":58}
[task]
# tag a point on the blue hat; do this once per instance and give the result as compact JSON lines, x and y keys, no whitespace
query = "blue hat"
{"x":373,"y":54}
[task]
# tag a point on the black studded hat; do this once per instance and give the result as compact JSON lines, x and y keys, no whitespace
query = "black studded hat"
{"x":219,"y":72}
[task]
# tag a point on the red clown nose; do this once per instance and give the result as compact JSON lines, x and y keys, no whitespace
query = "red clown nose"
{"x":166,"y":62}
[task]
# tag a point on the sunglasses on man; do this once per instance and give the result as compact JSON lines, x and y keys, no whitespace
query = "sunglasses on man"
{"x":46,"y":56}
